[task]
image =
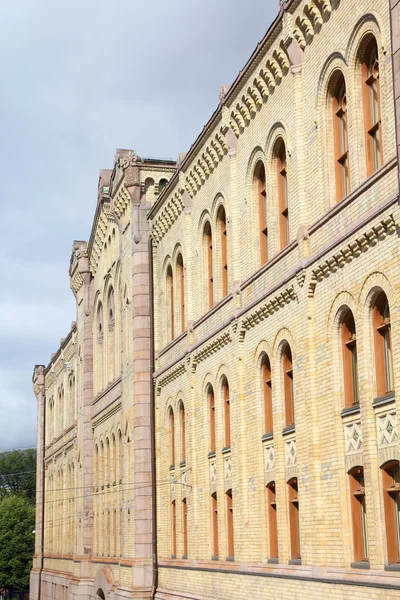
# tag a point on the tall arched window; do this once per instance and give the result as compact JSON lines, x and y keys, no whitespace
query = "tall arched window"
{"x":281,"y":163}
{"x":211,"y":404}
{"x":267,"y":393}
{"x":99,"y":379}
{"x":391,"y":501}
{"x":181,"y":282}
{"x":214,"y":518}
{"x":294,"y":519}
{"x":182,"y":420}
{"x":341,"y":138}
{"x":288,"y":384}
{"x":372,"y":107}
{"x":171,"y":424}
{"x":209,"y":263}
{"x":350,"y":366}
{"x":170,"y":300}
{"x":173,"y":528}
{"x":383,"y":345}
{"x":358,"y":514}
{"x":221,"y":217}
{"x":259,"y":182}
{"x":227,"y":413}
{"x":185,"y":528}
{"x":272,"y":521}
{"x":229,"y":525}
{"x":111,"y":336}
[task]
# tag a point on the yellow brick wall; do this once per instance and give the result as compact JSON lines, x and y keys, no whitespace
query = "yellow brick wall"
{"x":338,"y":255}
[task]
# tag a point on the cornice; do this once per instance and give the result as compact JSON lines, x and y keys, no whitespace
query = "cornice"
{"x":284,"y":42}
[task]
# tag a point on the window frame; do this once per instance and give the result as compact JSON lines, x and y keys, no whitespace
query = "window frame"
{"x":272,"y":520}
{"x":383,"y":345}
{"x":341,"y":137}
{"x":391,"y":503}
{"x":372,"y":128}
{"x":350,"y":359}
{"x":358,"y":514}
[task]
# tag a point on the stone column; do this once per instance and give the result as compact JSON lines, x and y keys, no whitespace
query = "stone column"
{"x":40,"y":393}
{"x":87,"y":433}
{"x":141,"y":435}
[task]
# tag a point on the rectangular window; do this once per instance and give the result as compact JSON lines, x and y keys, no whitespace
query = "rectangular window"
{"x":359,"y":516}
{"x":272,"y":521}
{"x":214,"y":515}
{"x":184,"y":528}
{"x":227,"y":415}
{"x":173,"y":529}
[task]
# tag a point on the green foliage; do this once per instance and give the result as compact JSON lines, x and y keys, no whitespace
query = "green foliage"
{"x":18,"y":473}
{"x":17,"y":521}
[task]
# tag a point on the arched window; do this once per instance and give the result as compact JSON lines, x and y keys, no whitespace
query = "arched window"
{"x":288,"y":384}
{"x":214,"y":515}
{"x":391,"y":501}
{"x":358,"y":514}
{"x":341,"y":138}
{"x":227,"y":413}
{"x":99,"y":379}
{"x":281,"y":164}
{"x":183,"y":431}
{"x":209,"y":262}
{"x":372,"y":107}
{"x":224,"y":251}
{"x":350,"y":366}
{"x":161,"y":185}
{"x":294,"y":519}
{"x":111,"y":336}
{"x":185,"y":528}
{"x":272,"y":521}
{"x":259,"y":183}
{"x":267,"y":393}
{"x":229,"y":525}
{"x":173,"y":522}
{"x":211,"y":404}
{"x":181,"y":282}
{"x":171,"y":420}
{"x":383,"y":345}
{"x":170,"y":301}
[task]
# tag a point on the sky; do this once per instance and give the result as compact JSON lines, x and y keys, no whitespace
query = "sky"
{"x":80,"y":79}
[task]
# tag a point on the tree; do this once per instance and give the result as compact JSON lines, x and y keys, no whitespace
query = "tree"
{"x":18,"y":473}
{"x":17,"y":521}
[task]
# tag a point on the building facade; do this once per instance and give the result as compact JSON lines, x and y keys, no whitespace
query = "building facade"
{"x":94,"y":515}
{"x":276,"y":324}
{"x":267,"y":305}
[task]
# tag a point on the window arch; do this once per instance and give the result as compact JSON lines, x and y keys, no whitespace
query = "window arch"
{"x":227,"y":413}
{"x":180,"y":270}
{"x":391,"y":501}
{"x":288,"y":384}
{"x":260,"y":189}
{"x":340,"y":134}
{"x":170,"y":303}
{"x":221,"y":220}
{"x":372,"y":106}
{"x":350,"y":363}
{"x":171,"y":424}
{"x":209,"y":262}
{"x":182,"y":423}
{"x":283,"y":201}
{"x":267,"y":393}
{"x":211,"y":405}
{"x":358,"y":514}
{"x":383,"y":345}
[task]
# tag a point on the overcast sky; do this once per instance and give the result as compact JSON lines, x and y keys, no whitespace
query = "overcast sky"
{"x":78,"y":80}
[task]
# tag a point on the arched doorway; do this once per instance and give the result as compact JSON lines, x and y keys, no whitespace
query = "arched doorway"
{"x":100,"y":594}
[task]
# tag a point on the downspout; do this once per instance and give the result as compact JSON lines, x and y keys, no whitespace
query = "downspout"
{"x":152,"y":427}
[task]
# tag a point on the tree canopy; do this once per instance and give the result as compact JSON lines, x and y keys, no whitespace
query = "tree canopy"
{"x":17,"y":521}
{"x":18,"y":473}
